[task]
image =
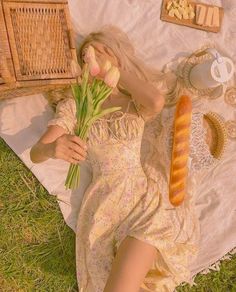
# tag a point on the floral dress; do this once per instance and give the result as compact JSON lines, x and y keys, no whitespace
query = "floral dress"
{"x":128,"y":195}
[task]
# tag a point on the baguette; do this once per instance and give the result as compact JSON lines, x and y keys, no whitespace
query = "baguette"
{"x":180,"y":151}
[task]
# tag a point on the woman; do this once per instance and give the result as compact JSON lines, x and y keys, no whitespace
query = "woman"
{"x":129,"y":238}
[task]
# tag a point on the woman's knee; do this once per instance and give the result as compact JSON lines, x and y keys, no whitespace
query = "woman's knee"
{"x":133,"y":260}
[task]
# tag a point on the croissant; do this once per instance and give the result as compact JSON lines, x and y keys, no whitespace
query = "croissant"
{"x":180,"y":150}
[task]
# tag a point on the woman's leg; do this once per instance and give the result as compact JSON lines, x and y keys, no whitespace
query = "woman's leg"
{"x":133,"y":260}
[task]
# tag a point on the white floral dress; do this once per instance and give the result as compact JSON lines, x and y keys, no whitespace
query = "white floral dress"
{"x":128,"y":195}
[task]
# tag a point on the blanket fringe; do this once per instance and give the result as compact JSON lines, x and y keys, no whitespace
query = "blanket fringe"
{"x":213,"y":267}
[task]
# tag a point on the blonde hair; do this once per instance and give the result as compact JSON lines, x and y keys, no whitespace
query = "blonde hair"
{"x":120,"y":44}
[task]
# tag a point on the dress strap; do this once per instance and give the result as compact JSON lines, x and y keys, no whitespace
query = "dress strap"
{"x":136,"y":106}
{"x":127,"y":109}
{"x":124,"y":91}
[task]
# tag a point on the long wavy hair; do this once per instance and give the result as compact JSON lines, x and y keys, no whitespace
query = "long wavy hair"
{"x":120,"y":44}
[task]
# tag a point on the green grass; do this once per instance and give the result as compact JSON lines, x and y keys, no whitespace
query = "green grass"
{"x":37,"y":248}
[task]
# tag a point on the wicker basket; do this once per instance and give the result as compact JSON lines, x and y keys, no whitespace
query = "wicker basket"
{"x":37,"y":49}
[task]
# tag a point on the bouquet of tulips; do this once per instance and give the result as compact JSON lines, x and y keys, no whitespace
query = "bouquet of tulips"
{"x":96,"y":84}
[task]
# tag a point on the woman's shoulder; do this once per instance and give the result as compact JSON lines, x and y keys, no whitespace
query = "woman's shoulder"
{"x":65,"y":115}
{"x":67,"y":106}
{"x":66,"y":102}
{"x":146,"y":114}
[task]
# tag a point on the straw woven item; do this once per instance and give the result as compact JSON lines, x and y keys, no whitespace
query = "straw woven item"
{"x":37,"y":50}
{"x":217,"y":124}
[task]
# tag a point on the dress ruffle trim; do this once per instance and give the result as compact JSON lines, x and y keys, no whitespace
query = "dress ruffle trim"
{"x":126,"y":127}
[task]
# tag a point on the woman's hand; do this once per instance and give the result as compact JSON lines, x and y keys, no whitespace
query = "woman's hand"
{"x":101,"y":58}
{"x":70,"y":148}
{"x":104,"y":53}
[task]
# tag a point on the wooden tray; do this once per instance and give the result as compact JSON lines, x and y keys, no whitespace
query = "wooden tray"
{"x":190,"y":22}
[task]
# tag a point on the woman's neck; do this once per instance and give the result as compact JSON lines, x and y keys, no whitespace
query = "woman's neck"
{"x":117,"y":94}
{"x":116,"y":98}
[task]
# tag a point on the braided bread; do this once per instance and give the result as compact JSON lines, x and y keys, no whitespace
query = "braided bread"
{"x":180,"y":150}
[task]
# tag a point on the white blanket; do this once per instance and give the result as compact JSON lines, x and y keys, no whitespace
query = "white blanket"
{"x":157,"y":43}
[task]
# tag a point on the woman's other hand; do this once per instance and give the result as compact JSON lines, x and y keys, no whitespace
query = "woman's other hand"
{"x":104,"y":53}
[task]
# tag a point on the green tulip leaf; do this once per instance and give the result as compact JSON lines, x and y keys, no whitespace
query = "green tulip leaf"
{"x":84,"y":83}
{"x":76,"y":90}
{"x":103,"y":113}
{"x":90,"y":108}
{"x":83,"y":111}
{"x":100,"y":100}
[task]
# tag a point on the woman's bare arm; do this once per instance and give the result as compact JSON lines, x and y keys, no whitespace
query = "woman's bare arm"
{"x":56,"y":143}
{"x":42,"y":150}
{"x":145,"y":93}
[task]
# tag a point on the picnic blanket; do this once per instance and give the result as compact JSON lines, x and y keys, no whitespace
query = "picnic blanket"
{"x":157,"y":43}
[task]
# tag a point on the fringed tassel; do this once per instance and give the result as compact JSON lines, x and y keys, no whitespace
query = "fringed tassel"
{"x":213,"y":267}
